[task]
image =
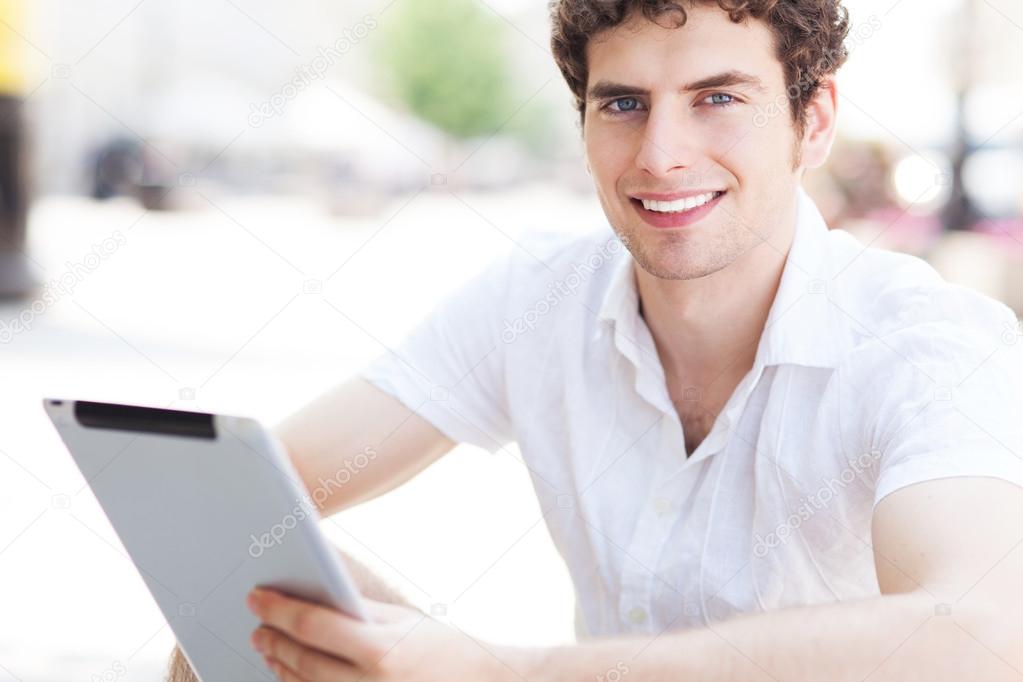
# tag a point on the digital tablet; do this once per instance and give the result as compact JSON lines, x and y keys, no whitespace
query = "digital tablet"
{"x":208,"y":506}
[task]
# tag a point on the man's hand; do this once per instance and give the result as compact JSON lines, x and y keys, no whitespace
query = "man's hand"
{"x":371,"y":587}
{"x":304,"y":642}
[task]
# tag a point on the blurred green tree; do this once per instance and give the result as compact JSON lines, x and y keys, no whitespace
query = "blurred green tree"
{"x":446,"y":62}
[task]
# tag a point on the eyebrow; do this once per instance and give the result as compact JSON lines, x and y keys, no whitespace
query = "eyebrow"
{"x":607,"y":89}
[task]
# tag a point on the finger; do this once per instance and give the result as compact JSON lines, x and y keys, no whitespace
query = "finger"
{"x":353,"y":674}
{"x":308,"y":664}
{"x":284,"y":674}
{"x":347,"y":674}
{"x":318,"y":627}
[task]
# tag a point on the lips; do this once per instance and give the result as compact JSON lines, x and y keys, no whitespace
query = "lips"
{"x":675,"y":210}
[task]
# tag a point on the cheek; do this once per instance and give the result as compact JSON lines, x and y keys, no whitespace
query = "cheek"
{"x":721,"y":142}
{"x":753,"y":154}
{"x":608,"y":157}
{"x":778,"y":137}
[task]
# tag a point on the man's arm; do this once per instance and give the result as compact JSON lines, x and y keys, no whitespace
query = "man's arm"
{"x":356,"y":442}
{"x":949,"y":557}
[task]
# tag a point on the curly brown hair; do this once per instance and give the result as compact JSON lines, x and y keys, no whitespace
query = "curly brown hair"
{"x":809,"y":37}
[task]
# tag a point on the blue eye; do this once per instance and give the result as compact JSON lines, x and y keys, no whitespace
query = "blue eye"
{"x":716,"y":99}
{"x":623,"y":105}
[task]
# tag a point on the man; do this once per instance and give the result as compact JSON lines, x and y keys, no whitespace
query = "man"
{"x":765,"y":451}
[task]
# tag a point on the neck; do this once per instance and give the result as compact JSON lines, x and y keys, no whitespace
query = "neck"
{"x":709,"y":327}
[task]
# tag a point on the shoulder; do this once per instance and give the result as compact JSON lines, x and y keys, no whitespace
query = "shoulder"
{"x":931,"y":376}
{"x":552,"y":265}
{"x":557,"y":251}
{"x":921,"y":350}
{"x":897,"y":309}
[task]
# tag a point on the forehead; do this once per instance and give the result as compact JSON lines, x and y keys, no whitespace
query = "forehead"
{"x":657,"y":55}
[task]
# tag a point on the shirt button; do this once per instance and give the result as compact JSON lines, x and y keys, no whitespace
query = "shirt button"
{"x":637,"y":614}
{"x":661,"y":505}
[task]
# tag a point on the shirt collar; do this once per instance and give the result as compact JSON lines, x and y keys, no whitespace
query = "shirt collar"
{"x":803,"y":327}
{"x":622,"y":296}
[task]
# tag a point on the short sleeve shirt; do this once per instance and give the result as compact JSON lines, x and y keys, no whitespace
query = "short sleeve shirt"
{"x":872,"y":374}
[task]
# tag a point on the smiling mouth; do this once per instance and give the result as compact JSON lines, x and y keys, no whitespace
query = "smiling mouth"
{"x":678,"y":205}
{"x":661,"y":211}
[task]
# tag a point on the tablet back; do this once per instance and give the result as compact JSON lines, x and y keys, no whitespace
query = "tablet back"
{"x":207,"y":506}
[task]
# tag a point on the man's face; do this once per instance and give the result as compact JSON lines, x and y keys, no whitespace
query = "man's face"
{"x":653,"y":131}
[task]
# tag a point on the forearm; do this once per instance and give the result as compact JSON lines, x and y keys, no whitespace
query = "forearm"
{"x":898,"y":637}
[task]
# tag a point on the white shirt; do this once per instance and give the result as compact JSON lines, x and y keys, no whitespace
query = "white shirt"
{"x":872,"y":374}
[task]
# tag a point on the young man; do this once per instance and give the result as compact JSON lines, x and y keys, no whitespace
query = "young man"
{"x":765,"y":451}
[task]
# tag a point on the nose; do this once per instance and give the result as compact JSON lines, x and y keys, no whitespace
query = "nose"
{"x":666,"y":147}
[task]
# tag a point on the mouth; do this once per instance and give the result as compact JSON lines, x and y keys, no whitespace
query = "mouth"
{"x":665,"y":212}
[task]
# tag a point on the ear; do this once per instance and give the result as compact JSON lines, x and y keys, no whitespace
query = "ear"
{"x":820,"y":124}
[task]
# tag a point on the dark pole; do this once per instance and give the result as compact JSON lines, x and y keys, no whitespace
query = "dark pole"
{"x":15,"y":278}
{"x":960,"y":213}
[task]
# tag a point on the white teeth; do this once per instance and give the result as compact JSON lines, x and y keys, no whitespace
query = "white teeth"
{"x":678,"y":205}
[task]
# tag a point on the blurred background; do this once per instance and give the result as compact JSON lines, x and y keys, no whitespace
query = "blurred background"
{"x":231,"y":205}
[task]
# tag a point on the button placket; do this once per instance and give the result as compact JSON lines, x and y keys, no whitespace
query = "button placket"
{"x":673,"y":496}
{"x":662,"y":506}
{"x":652,"y":532}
